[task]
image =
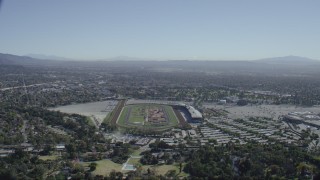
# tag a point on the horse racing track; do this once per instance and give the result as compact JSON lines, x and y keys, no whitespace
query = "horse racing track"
{"x":154,"y":116}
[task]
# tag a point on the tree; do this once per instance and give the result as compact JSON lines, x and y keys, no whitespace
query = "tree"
{"x":93,"y":166}
{"x":7,"y":174}
{"x":304,"y":169}
{"x":242,"y":102}
{"x":115,"y":175}
{"x":38,"y":172}
{"x":46,"y":150}
{"x":171,"y":173}
{"x":71,"y":149}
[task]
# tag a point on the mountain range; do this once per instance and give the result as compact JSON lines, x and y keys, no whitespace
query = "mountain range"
{"x":50,"y":57}
{"x":43,"y":59}
{"x":288,"y":60}
{"x":293,"y":65}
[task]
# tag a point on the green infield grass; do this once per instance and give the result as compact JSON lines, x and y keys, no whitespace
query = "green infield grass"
{"x":155,"y":116}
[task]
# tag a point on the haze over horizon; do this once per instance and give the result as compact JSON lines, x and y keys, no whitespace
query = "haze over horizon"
{"x":161,"y":30}
{"x":126,"y":58}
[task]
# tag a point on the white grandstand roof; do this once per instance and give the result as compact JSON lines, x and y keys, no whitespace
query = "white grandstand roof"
{"x":194,"y":113}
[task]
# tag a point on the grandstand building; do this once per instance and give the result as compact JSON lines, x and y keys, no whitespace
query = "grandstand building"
{"x":194,"y":113}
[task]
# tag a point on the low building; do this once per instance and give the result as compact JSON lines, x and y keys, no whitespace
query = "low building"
{"x":6,"y":152}
{"x":143,"y":141}
{"x":60,"y":147}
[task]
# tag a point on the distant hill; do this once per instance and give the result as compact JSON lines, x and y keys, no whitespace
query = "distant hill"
{"x":9,"y":59}
{"x":127,"y":58}
{"x":50,"y":57}
{"x":288,"y":60}
{"x":292,"y":65}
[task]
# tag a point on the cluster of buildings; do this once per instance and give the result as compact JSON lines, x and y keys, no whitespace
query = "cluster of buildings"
{"x":6,"y":150}
{"x":248,"y":130}
{"x":309,"y":118}
{"x":220,"y":136}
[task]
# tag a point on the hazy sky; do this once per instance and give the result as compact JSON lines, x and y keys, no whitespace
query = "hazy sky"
{"x":161,"y":29}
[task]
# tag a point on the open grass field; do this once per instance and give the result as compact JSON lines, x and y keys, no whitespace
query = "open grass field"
{"x":104,"y":167}
{"x":147,"y":116}
{"x":163,"y":169}
{"x":90,"y":121}
{"x":53,"y":157}
{"x":134,"y":161}
{"x":137,"y":152}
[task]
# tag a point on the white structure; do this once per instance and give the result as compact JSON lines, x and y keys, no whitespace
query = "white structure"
{"x":195,"y":114}
{"x":60,"y":147}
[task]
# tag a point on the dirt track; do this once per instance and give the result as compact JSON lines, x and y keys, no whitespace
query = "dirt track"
{"x":117,"y":112}
{"x":182,"y":121}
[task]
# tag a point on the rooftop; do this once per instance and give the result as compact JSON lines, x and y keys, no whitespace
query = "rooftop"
{"x":194,"y":113}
